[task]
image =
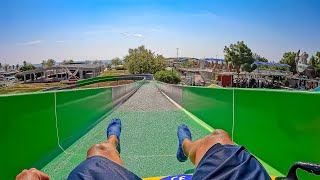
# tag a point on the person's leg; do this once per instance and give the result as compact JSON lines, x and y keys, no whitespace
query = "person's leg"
{"x":217,"y":157}
{"x":107,"y":149}
{"x":111,"y":148}
{"x":103,"y":160}
{"x":197,"y":149}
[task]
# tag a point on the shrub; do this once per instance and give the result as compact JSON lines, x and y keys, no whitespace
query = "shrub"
{"x":20,"y":76}
{"x":166,"y":76}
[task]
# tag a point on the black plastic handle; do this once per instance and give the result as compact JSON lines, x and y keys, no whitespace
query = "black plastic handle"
{"x":309,"y":167}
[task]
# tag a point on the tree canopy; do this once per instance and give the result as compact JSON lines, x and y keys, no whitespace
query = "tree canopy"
{"x":67,"y":61}
{"x":141,"y":60}
{"x":166,"y":76}
{"x":315,"y":62}
{"x":259,"y":58}
{"x":116,"y":61}
{"x":27,"y":66}
{"x":97,"y":62}
{"x":187,"y":64}
{"x":289,"y":58}
{"x":240,"y":55}
{"x":49,"y":63}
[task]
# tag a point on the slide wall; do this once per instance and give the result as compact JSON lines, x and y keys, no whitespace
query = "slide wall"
{"x":31,"y":122}
{"x":279,"y":127}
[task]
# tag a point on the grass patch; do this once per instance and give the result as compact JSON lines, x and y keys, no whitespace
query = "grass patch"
{"x":30,"y":87}
{"x":114,"y":72}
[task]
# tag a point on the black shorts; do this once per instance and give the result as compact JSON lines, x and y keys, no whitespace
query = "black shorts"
{"x":229,"y":162}
{"x":100,"y":168}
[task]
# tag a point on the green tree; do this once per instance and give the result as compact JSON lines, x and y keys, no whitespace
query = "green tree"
{"x":67,"y":61}
{"x":166,"y":76}
{"x":141,"y":60}
{"x":289,"y":58}
{"x":318,"y":55}
{"x":259,"y":58}
{"x":49,"y":63}
{"x":97,"y":62}
{"x":87,"y":62}
{"x":0,"y":66}
{"x":6,"y":67}
{"x":27,"y":66}
{"x":116,"y":61}
{"x":24,"y":63}
{"x":187,"y":64}
{"x":313,"y":61}
{"x":240,"y":55}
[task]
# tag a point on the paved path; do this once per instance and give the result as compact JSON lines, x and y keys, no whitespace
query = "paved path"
{"x":148,"y":139}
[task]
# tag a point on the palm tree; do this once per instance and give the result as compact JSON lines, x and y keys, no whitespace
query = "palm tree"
{"x":6,"y":67}
{"x":25,"y":63}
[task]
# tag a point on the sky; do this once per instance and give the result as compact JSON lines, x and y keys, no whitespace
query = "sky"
{"x":35,"y":30}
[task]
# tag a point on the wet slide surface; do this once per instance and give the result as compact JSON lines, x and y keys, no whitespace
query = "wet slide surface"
{"x":148,"y":139}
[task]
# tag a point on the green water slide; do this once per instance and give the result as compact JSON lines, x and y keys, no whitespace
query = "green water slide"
{"x":53,"y":130}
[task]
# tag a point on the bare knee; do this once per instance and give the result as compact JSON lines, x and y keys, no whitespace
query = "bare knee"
{"x":219,"y":136}
{"x":219,"y":132}
{"x":94,"y":149}
{"x":103,"y":149}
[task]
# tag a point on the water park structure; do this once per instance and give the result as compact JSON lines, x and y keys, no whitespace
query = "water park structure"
{"x":52,"y":130}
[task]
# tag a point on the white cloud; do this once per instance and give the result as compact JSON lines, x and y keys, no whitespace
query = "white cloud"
{"x":31,"y":42}
{"x":138,"y":35}
{"x":125,"y":34}
{"x":133,"y":35}
{"x":60,"y":41}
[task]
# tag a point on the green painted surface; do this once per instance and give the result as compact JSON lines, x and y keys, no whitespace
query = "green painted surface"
{"x":280,"y":127}
{"x":213,"y":106}
{"x":271,"y":124}
{"x":148,"y":139}
{"x":80,"y":110}
{"x":28,"y":135}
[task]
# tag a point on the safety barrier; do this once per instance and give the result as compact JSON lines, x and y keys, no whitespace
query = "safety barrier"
{"x":37,"y":127}
{"x":279,"y":127}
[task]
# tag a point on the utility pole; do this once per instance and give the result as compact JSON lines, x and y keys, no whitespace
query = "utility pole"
{"x":177,"y":54}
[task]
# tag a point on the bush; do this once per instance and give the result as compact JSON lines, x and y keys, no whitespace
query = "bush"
{"x":171,"y":77}
{"x":20,"y":76}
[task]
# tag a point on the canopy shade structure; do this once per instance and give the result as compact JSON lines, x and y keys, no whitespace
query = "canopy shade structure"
{"x":271,"y":64}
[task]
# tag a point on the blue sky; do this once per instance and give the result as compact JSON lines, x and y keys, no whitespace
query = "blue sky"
{"x":34,"y":30}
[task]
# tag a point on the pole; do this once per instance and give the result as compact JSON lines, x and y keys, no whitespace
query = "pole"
{"x":177,"y":54}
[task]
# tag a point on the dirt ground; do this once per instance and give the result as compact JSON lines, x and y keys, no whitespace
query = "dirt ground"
{"x":31,"y":87}
{"x":34,"y":87}
{"x":106,"y":84}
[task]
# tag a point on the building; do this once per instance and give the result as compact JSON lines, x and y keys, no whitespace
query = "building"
{"x":69,"y":72}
